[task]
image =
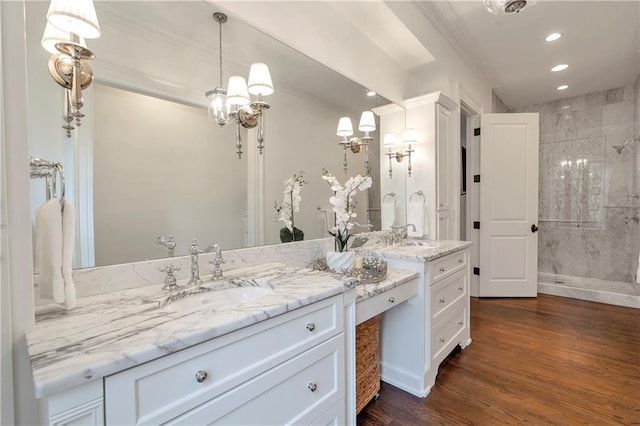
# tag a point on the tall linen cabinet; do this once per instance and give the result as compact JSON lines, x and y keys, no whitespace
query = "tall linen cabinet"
{"x":432,"y":160}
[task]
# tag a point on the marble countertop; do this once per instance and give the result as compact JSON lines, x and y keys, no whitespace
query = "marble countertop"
{"x":395,"y":278}
{"x":108,"y":333}
{"x":412,"y":249}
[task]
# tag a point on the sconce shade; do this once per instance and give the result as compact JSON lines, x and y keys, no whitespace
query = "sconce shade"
{"x":345,"y":127}
{"x":74,"y":16}
{"x":53,"y":35}
{"x":260,"y":80}
{"x":237,"y":93}
{"x":367,"y":122}
{"x":410,"y":136}
{"x":389,"y":139}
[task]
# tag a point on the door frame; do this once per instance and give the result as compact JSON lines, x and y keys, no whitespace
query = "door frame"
{"x":470,"y":110}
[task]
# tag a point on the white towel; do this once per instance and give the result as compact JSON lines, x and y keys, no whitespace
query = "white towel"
{"x":49,"y":250}
{"x":55,"y":234}
{"x":388,"y":215}
{"x":68,"y":238}
{"x":415,"y":215}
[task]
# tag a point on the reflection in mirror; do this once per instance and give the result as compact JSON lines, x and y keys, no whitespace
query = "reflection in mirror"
{"x":147,"y":161}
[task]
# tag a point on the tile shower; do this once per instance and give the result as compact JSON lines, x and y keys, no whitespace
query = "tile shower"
{"x":588,"y":196}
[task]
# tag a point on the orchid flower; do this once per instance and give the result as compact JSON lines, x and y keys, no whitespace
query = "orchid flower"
{"x":344,"y":204}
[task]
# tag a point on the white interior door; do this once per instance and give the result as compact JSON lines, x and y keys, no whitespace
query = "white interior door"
{"x":509,"y":205}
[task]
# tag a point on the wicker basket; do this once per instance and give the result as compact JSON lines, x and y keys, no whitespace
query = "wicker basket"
{"x":367,"y":362}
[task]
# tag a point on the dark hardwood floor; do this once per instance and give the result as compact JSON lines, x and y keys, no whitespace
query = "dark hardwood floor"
{"x":548,"y":360}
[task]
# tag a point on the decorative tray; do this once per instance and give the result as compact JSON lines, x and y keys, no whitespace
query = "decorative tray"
{"x":373,"y":269}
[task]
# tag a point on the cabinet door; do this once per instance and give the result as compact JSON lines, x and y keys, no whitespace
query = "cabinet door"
{"x":444,"y":225}
{"x":443,"y":158}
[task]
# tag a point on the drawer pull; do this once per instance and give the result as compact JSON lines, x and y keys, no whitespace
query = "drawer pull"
{"x":461,"y":288}
{"x":201,"y":376}
{"x":442,"y":340}
{"x":311,"y":326}
{"x":312,"y":387}
{"x":442,"y":269}
{"x":460,"y":261}
{"x":442,"y":300}
{"x":460,"y":322}
{"x":391,"y":300}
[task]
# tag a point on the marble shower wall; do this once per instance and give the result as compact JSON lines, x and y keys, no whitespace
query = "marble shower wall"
{"x":585,"y":185}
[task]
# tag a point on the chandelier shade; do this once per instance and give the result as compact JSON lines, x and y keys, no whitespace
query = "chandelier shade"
{"x":260,"y":83}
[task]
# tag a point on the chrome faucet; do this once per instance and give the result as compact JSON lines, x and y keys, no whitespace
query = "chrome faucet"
{"x":168,"y":243}
{"x":170,"y":281}
{"x":194,"y":251}
{"x":216,"y":272}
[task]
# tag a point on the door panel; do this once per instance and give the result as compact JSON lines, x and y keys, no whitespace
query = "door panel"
{"x":509,"y":205}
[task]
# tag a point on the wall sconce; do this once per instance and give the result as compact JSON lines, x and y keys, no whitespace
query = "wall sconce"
{"x":234,"y":103}
{"x":345,"y":129}
{"x":389,"y":141}
{"x":69,"y":23}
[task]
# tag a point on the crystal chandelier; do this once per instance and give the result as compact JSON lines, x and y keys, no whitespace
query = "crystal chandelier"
{"x":234,"y":103}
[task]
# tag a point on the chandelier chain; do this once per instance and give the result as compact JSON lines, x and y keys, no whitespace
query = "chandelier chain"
{"x":220,"y":42}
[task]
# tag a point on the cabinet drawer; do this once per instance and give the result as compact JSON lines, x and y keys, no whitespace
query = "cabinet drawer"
{"x":379,"y":303}
{"x":447,"y":292}
{"x":334,"y":416}
{"x":163,"y":389}
{"x":298,"y":391}
{"x":447,"y":265}
{"x":444,"y":334}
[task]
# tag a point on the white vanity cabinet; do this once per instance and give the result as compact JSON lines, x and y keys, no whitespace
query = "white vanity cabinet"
{"x":287,"y":369}
{"x":418,"y":335}
{"x":293,"y":368}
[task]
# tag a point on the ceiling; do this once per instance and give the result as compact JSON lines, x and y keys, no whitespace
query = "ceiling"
{"x":600,"y":43}
{"x":508,"y":53}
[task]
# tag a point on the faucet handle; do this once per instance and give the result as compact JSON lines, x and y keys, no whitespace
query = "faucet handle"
{"x":216,"y":273}
{"x":169,"y":269}
{"x":170,"y":281}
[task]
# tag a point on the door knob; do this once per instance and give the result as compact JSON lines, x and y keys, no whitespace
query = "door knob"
{"x":534,"y":228}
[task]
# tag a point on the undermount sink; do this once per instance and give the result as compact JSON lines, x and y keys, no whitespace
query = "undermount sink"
{"x":215,"y":299}
{"x":419,"y":243}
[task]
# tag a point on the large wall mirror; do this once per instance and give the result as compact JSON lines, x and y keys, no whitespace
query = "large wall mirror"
{"x":147,"y":161}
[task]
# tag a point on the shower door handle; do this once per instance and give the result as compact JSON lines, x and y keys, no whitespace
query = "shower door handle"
{"x":534,"y":228}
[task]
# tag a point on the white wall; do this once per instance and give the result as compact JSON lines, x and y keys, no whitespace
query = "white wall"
{"x":301,"y":137}
{"x":162,"y":168}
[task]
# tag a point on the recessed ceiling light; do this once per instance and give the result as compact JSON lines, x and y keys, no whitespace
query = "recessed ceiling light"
{"x":371,"y":93}
{"x":563,"y":87}
{"x":560,"y":67}
{"x":553,"y":37}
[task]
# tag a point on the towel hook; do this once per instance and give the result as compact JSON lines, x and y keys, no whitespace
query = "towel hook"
{"x":419,"y":194}
{"x":390,"y":194}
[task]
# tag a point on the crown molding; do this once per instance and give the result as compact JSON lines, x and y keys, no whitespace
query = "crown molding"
{"x":387,"y":109}
{"x":435,"y":97}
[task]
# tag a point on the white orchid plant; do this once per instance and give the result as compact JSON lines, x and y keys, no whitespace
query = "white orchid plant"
{"x":290,"y":202}
{"x":344,"y":204}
